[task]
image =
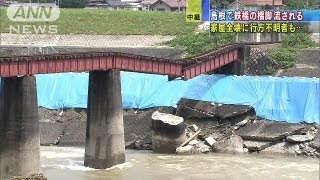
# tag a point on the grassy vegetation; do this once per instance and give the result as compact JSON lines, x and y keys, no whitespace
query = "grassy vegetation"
{"x":197,"y":43}
{"x":270,"y":70}
{"x":125,"y":22}
{"x":290,"y":47}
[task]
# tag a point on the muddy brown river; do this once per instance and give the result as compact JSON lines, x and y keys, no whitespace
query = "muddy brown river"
{"x":60,"y":163}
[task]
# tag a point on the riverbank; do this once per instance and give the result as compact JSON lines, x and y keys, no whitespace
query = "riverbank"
{"x":220,"y":122}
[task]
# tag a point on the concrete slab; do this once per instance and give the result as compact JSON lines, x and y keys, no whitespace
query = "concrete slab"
{"x":221,"y":113}
{"x":283,"y":148}
{"x":268,"y":130}
{"x":49,"y":132}
{"x":299,"y":138}
{"x":257,"y":145}
{"x":211,"y":109}
{"x":75,"y":134}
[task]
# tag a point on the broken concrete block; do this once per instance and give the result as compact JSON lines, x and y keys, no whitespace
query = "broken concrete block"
{"x":193,"y":142}
{"x":242,"y":123}
{"x":194,"y":109}
{"x":185,"y":150}
{"x":282,"y":148}
{"x":268,"y":131}
{"x":257,"y":145}
{"x":316,"y":143}
{"x":210,"y":141}
{"x":168,"y":132}
{"x":202,"y":148}
{"x":169,"y":119}
{"x":232,"y":144}
{"x":298,"y":151}
{"x":299,"y":138}
{"x":194,"y":128}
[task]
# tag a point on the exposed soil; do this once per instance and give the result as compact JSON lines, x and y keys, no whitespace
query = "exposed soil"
{"x":266,"y":47}
{"x":62,"y":115}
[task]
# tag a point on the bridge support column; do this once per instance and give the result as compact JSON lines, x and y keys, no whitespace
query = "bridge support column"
{"x":19,"y":127}
{"x":244,"y":59}
{"x":105,"y":134}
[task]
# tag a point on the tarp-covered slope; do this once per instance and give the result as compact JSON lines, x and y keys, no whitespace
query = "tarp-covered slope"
{"x":283,"y":99}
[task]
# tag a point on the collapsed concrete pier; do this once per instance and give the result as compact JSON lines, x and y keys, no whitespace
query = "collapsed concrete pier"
{"x":168,"y":132}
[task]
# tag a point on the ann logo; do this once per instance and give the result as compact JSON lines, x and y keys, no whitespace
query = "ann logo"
{"x":33,"y":12}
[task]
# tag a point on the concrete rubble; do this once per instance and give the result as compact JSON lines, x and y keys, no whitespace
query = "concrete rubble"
{"x":282,"y":148}
{"x":269,"y":131}
{"x":234,"y":143}
{"x":168,"y":132}
{"x":316,"y":143}
{"x":257,"y":145}
{"x":210,"y":141}
{"x":202,"y":148}
{"x":299,"y":138}
{"x":223,"y":128}
{"x":193,"y":142}
{"x":185,"y":150}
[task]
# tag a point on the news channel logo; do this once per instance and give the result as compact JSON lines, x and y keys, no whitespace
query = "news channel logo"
{"x":24,"y":16}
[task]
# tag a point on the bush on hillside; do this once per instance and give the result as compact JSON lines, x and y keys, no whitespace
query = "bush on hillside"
{"x":298,"y":40}
{"x":194,"y":44}
{"x":285,"y":56}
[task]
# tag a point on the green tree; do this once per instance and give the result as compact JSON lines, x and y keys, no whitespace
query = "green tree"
{"x":221,"y":4}
{"x":73,"y":3}
{"x":63,"y":3}
{"x":302,"y":4}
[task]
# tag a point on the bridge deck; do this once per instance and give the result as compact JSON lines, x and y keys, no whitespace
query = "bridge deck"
{"x":126,"y":60}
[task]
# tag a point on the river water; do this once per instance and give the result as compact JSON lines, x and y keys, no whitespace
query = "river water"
{"x":61,"y":163}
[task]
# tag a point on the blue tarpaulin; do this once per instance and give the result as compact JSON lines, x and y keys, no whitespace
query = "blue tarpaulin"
{"x":289,"y":99}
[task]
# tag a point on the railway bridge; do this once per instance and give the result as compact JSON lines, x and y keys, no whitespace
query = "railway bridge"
{"x":105,"y":147}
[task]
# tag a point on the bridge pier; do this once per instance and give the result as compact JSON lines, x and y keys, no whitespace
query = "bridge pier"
{"x":244,"y":58}
{"x":19,"y":127}
{"x":236,"y":67}
{"x":105,"y":146}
